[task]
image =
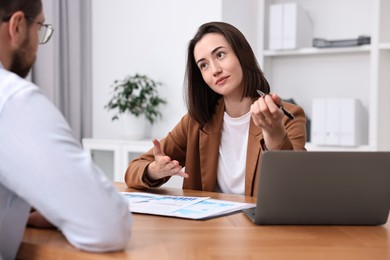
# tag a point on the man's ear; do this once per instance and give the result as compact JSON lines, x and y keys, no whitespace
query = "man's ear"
{"x":17,"y":29}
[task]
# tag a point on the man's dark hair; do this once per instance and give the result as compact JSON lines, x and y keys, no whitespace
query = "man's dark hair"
{"x":31,"y":8}
{"x":201,"y":99}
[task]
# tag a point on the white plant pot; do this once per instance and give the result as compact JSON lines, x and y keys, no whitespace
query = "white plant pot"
{"x":136,"y":128}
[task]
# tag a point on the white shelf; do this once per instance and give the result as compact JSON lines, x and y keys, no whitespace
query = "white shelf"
{"x":317,"y":51}
{"x":313,"y":147}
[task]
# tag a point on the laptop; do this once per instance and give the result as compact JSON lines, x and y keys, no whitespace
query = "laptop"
{"x":322,"y":188}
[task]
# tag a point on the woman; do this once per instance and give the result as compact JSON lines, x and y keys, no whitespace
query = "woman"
{"x":228,"y":125}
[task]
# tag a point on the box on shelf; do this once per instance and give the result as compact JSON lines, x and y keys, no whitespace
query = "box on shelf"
{"x":290,"y":27}
{"x":339,"y":122}
{"x":324,"y":43}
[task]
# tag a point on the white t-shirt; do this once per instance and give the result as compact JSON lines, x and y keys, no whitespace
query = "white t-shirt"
{"x":232,"y":154}
{"x":44,"y":167}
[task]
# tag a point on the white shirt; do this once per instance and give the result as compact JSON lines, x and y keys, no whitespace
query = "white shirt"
{"x":232,"y":154}
{"x":43,"y":166}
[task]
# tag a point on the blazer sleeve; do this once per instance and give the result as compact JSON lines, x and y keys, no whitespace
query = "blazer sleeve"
{"x":173,"y":145}
{"x":295,"y":138}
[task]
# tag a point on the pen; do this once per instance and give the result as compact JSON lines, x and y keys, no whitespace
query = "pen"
{"x":287,"y":113}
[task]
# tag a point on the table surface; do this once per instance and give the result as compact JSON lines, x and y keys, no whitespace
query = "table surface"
{"x":228,"y":237}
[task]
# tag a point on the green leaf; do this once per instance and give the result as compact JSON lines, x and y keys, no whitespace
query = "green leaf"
{"x":136,"y":95}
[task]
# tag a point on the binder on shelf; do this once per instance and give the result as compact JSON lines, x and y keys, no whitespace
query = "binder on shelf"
{"x":290,"y":27}
{"x":275,"y":27}
{"x":339,"y":122}
{"x":332,"y":121}
{"x":354,"y":126}
{"x":297,"y":27}
{"x":318,"y":126}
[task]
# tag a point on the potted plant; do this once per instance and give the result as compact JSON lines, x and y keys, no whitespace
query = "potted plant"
{"x":136,"y":95}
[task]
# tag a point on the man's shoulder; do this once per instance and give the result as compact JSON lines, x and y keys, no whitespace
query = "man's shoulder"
{"x":8,"y":78}
{"x":10,"y":84}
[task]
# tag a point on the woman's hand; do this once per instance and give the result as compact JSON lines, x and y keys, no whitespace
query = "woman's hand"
{"x":267,"y":115}
{"x":163,"y":165}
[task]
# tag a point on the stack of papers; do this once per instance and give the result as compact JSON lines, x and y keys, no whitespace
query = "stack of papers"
{"x":181,"y":206}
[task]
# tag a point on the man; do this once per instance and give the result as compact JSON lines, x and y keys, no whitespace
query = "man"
{"x":42,"y":166}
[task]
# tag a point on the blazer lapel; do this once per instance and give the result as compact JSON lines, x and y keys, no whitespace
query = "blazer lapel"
{"x":209,"y":140}
{"x":252,"y":157}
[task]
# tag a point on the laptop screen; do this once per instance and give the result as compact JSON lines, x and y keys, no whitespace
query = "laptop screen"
{"x":323,"y":188}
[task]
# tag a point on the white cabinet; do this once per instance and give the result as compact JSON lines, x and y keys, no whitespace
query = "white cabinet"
{"x":113,"y":156}
{"x":361,"y":72}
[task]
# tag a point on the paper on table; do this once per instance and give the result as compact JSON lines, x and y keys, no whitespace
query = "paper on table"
{"x":211,"y":208}
{"x":181,"y":206}
{"x":142,"y":202}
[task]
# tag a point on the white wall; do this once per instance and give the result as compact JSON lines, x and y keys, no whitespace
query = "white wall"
{"x":245,"y":16}
{"x":144,"y":36}
{"x":151,"y":37}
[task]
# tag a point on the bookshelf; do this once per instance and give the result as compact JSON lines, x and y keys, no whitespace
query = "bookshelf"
{"x":360,"y":72}
{"x":317,"y":51}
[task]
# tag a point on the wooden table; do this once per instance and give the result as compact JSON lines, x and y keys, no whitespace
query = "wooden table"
{"x":228,"y":237}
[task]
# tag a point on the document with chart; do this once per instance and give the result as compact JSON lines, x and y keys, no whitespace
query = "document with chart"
{"x":181,"y":206}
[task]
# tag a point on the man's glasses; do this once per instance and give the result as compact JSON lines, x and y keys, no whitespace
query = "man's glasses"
{"x":45,"y":31}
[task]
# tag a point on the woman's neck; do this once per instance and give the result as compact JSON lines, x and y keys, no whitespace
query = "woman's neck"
{"x":237,"y":107}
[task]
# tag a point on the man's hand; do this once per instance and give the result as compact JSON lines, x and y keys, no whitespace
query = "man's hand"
{"x":37,"y":220}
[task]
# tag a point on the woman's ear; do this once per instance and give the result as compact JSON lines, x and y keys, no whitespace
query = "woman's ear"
{"x":17,"y":29}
